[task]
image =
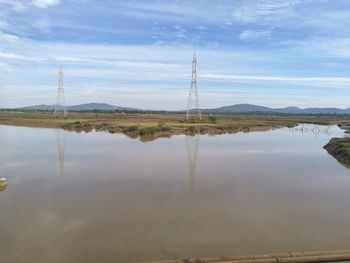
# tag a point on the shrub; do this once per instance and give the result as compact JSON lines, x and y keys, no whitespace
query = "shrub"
{"x":212,"y":119}
{"x":132,"y":128}
{"x":161,"y":124}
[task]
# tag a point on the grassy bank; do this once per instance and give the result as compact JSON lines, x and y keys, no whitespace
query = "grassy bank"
{"x":339,"y":148}
{"x":146,"y":127}
{"x":151,"y":126}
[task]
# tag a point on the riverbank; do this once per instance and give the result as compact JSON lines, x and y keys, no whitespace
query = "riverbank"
{"x":152,"y":126}
{"x":148,"y":127}
{"x":339,"y":148}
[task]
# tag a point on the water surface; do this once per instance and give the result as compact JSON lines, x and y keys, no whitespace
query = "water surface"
{"x":100,"y":197}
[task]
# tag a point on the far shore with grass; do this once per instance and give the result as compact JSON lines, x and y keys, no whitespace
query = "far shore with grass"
{"x":147,"y":127}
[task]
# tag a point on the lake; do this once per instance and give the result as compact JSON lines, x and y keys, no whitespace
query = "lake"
{"x":100,"y":197}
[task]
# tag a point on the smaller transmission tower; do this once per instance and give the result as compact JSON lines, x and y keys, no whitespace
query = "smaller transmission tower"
{"x":61,"y":99}
{"x":193,"y":111}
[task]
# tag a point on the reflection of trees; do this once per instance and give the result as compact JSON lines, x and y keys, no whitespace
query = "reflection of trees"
{"x":192,"y":152}
{"x":61,"y":143}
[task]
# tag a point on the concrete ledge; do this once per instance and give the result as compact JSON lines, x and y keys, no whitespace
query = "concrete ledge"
{"x":289,"y":257}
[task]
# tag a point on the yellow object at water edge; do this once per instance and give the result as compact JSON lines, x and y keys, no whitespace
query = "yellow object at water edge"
{"x":3,"y":182}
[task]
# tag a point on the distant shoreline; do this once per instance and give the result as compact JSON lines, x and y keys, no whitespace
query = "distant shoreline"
{"x":148,"y":127}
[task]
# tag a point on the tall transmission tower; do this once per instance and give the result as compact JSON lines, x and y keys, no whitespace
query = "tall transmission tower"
{"x":61,"y":99}
{"x":193,"y":111}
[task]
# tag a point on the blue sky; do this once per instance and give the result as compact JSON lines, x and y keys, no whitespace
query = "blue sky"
{"x":138,"y":53}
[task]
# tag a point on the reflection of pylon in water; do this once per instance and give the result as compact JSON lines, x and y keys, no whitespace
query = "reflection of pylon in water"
{"x":315,"y":130}
{"x":192,"y":153}
{"x":61,"y":99}
{"x":303,"y":129}
{"x":61,"y":144}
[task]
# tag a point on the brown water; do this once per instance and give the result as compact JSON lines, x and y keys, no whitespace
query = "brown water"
{"x":100,"y":197}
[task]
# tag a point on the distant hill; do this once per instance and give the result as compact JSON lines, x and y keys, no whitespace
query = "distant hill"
{"x":38,"y":107}
{"x":80,"y":107}
{"x":94,"y":106}
{"x":250,"y":108}
{"x":238,"y":108}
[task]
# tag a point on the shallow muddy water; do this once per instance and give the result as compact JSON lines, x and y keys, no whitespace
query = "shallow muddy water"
{"x":100,"y":197}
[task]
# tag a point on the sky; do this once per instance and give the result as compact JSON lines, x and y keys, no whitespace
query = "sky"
{"x":138,"y":54}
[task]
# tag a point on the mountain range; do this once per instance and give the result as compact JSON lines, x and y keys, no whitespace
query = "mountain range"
{"x":250,"y":108}
{"x":80,"y":107}
{"x":238,"y":108}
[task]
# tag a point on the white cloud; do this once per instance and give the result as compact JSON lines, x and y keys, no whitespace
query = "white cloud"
{"x":17,"y":5}
{"x":207,"y":12}
{"x":45,"y":3}
{"x":42,"y":24}
{"x":179,"y":28}
{"x":11,"y":56}
{"x":7,"y":37}
{"x":252,"y":34}
{"x":264,"y":11}
{"x":324,"y":47}
{"x":133,"y":73}
{"x":201,"y":27}
{"x":252,"y":11}
{"x":21,"y":5}
{"x":274,"y":78}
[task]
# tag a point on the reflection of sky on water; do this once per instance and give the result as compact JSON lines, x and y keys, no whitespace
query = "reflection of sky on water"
{"x":122,"y":200}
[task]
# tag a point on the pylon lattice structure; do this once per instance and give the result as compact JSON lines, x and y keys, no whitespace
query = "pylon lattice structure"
{"x":61,"y":99}
{"x":193,"y":111}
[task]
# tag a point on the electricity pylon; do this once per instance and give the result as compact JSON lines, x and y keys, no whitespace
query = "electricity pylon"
{"x":193,"y":111}
{"x":61,"y":99}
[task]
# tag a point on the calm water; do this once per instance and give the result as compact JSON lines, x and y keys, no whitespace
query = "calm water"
{"x":100,"y":197}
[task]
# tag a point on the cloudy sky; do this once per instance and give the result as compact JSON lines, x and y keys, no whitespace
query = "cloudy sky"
{"x":138,"y":53}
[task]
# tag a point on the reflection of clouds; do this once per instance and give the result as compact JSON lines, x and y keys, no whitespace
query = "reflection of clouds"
{"x":50,"y":220}
{"x":272,"y":152}
{"x":73,"y":226}
{"x":61,"y":143}
{"x":49,"y":227}
{"x":11,"y":164}
{"x":43,"y":235}
{"x":192,"y":152}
